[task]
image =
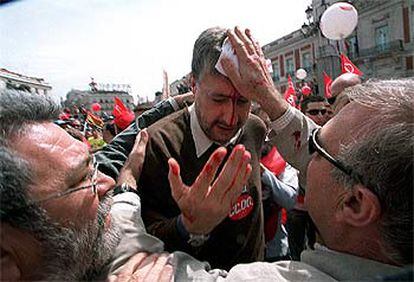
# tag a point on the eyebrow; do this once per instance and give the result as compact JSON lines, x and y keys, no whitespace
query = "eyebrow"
{"x":78,"y":171}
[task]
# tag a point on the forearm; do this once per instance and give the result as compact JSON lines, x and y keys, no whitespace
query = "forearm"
{"x":282,"y":194}
{"x":113,"y":156}
{"x":272,"y":102}
{"x":290,"y":134}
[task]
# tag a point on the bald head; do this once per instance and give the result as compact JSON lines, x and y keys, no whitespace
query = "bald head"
{"x":343,"y":81}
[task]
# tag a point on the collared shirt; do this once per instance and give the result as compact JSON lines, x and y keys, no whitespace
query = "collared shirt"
{"x":201,"y":141}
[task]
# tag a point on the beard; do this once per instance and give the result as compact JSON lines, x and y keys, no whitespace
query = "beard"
{"x":71,"y":254}
{"x":210,"y":128}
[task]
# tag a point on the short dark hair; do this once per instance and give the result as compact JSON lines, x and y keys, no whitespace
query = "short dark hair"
{"x":206,"y":52}
{"x":310,"y":99}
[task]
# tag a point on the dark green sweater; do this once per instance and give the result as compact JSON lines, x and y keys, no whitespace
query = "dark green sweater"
{"x":232,"y":241}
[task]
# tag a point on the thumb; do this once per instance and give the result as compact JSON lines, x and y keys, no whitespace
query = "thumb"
{"x":174,"y":177}
{"x":141,"y":140}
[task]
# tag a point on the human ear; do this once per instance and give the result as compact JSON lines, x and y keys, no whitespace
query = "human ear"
{"x":360,"y":207}
{"x":9,"y":269}
{"x":20,"y":253}
{"x":193,"y":84}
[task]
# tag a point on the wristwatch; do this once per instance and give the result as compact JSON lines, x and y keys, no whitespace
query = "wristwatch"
{"x":124,"y":188}
{"x":194,"y":240}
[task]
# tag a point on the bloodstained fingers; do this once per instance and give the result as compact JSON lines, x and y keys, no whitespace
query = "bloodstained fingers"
{"x":255,"y":43}
{"x":238,"y":45}
{"x":246,"y":41}
{"x":174,"y":177}
{"x":204,"y":179}
{"x":227,"y":174}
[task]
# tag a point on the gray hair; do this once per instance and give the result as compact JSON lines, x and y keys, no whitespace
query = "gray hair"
{"x":18,"y":109}
{"x":382,"y":153}
{"x":206,"y":52}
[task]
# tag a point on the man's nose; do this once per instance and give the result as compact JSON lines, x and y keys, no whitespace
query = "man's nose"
{"x":105,"y":183}
{"x":229,"y":116}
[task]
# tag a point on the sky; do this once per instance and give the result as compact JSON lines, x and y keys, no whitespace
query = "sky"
{"x":67,"y":42}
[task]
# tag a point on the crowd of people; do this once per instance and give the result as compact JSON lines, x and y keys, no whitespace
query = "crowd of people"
{"x":205,"y":187}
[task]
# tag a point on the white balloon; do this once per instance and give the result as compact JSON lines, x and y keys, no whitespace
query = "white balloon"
{"x":301,"y":74}
{"x":339,"y":21}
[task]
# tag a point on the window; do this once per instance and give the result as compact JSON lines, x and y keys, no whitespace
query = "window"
{"x":290,"y":68}
{"x":276,"y":71}
{"x":352,"y":45}
{"x":307,"y":62}
{"x":382,"y":39}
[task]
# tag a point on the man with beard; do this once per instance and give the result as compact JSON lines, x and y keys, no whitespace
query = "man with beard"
{"x":55,"y":220}
{"x":207,"y":227}
{"x":59,"y":220}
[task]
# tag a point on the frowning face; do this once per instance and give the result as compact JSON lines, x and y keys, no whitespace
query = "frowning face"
{"x":220,"y":109}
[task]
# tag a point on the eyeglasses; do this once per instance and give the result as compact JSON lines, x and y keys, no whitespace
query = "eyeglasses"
{"x":316,"y":112}
{"x":314,"y":146}
{"x":93,"y":175}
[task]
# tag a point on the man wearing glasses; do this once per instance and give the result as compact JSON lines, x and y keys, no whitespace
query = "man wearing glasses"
{"x":314,"y":107}
{"x":359,"y":167}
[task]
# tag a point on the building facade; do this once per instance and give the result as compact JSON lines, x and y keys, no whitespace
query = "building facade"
{"x":105,"y":98}
{"x":382,"y":45}
{"x":13,"y":80}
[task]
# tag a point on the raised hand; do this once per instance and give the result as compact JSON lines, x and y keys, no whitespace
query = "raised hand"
{"x":131,"y":171}
{"x":206,"y":203}
{"x":253,"y":80}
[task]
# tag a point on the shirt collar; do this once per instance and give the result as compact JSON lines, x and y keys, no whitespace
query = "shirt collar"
{"x":201,"y":141}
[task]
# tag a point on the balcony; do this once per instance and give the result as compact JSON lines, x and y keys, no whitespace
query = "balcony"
{"x":327,"y":51}
{"x":381,"y":49}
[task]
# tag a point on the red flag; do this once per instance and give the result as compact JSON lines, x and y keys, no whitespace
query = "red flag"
{"x":123,"y":115}
{"x":290,"y":94}
{"x":274,"y":162}
{"x":348,"y":66}
{"x":327,"y":81}
{"x":94,"y":119}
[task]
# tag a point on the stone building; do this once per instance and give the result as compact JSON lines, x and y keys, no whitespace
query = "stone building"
{"x":14,"y":80}
{"x":381,"y":46}
{"x":99,"y":94}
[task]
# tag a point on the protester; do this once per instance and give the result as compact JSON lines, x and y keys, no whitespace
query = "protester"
{"x":314,"y":107}
{"x":56,"y":222}
{"x":362,"y":157}
{"x":223,"y":231}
